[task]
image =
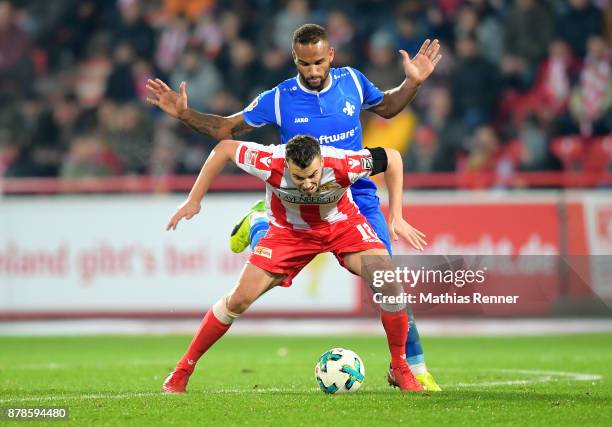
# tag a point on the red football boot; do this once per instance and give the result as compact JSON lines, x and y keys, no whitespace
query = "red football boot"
{"x":176,"y":381}
{"x":402,"y":377}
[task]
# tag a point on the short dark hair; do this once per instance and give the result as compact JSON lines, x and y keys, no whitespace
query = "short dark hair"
{"x":302,"y":150}
{"x":309,"y":34}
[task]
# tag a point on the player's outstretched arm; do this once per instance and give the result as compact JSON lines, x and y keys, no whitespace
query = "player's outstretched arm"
{"x":417,"y":70}
{"x":175,"y":104}
{"x":223,"y":152}
{"x":398,"y":227}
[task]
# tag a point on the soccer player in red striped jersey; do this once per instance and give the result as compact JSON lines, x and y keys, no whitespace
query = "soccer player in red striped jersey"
{"x":322,"y":101}
{"x":311,"y":211}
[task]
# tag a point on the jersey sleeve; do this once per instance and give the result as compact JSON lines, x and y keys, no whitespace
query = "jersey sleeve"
{"x":360,"y":164}
{"x":349,"y":165}
{"x":262,"y":110}
{"x":370,"y":94}
{"x":255,"y":159}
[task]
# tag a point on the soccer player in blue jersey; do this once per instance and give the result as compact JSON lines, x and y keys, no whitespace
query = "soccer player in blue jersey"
{"x":323,"y":102}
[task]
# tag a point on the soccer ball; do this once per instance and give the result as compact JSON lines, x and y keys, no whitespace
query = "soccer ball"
{"x":339,"y":371}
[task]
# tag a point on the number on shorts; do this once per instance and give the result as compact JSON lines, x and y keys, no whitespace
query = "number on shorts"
{"x":366,"y":232}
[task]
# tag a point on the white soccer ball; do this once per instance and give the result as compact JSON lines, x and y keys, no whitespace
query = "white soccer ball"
{"x":339,"y":371}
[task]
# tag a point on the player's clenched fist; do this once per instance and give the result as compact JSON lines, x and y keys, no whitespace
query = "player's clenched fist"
{"x":186,"y":210}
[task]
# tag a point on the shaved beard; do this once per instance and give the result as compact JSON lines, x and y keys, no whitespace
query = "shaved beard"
{"x":318,"y":88}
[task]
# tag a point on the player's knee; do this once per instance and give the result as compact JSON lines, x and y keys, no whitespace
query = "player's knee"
{"x":374,"y":269}
{"x":388,"y":292}
{"x":223,"y":313}
{"x":238,"y":303}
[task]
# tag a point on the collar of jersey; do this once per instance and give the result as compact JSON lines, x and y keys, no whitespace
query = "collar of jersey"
{"x":314,"y":92}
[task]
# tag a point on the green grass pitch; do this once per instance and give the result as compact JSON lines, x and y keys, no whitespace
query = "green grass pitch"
{"x":115,"y":380}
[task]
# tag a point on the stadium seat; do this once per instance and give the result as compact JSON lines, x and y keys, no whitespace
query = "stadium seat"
{"x":569,"y":150}
{"x":598,"y":157}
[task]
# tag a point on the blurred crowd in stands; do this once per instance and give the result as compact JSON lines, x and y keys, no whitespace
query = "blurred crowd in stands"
{"x":524,"y":85}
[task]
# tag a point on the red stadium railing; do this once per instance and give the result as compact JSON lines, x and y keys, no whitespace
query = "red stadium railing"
{"x":147,"y":184}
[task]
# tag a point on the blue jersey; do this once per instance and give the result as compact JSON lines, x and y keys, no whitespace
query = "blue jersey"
{"x":331,"y":115}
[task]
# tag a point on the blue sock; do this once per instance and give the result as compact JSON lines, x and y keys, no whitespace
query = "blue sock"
{"x":414,"y":351}
{"x":259,"y":228}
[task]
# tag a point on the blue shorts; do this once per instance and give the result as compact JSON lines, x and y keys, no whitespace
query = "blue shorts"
{"x":369,"y":206}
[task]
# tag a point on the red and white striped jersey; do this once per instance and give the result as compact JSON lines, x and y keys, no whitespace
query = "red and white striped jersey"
{"x":286,"y":206}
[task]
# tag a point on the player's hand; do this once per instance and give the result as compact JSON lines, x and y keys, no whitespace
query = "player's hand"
{"x":423,"y":63}
{"x":168,"y":100}
{"x":398,"y":227}
{"x":186,"y":210}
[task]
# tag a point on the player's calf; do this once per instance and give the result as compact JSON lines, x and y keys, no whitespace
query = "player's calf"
{"x":215,"y":324}
{"x":253,"y":282}
{"x":394,"y":318}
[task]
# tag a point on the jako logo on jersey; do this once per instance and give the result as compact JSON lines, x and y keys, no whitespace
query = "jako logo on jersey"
{"x":328,"y":139}
{"x":353,"y":163}
{"x":265,"y":159}
{"x":349,"y":109}
{"x":301,"y":120}
{"x":358,"y":164}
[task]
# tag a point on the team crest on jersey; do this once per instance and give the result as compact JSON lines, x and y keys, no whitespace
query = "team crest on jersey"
{"x":252,"y":105}
{"x":329,"y":186}
{"x":263,"y":251}
{"x":349,"y":109}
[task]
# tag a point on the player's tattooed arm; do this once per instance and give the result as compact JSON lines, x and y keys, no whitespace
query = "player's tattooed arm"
{"x":224,"y":152}
{"x":240,"y":126}
{"x":417,"y":70}
{"x":175,"y":104}
{"x":218,"y":127}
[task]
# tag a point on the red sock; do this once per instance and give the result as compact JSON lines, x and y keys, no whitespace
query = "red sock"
{"x":209,"y":332}
{"x":396,"y":328}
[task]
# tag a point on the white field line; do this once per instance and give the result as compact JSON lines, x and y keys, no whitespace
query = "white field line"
{"x":534,"y":376}
{"x":83,"y":397}
{"x":55,"y":365}
{"x":537,"y":376}
{"x":158,"y":393}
